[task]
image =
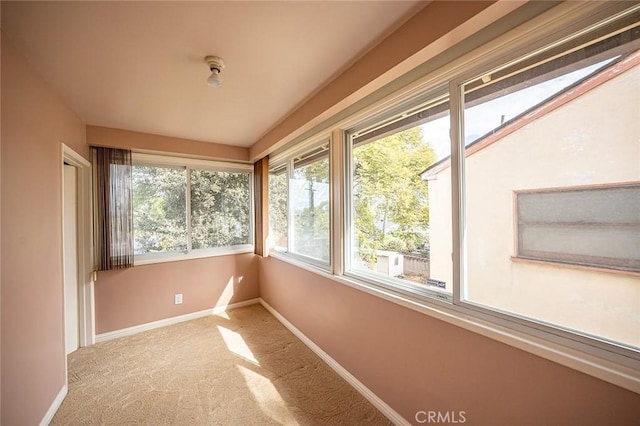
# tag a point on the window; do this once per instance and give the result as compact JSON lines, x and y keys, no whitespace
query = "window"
{"x":181,"y":207}
{"x":500,"y":192}
{"x":398,"y":221}
{"x":597,"y":227}
{"x":278,"y":196}
{"x":299,"y":211}
{"x":565,"y":117}
{"x":220,"y":209}
{"x":159,"y":209}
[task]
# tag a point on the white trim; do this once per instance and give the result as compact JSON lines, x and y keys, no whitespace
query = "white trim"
{"x":147,"y":259}
{"x":86,"y":303}
{"x":170,"y":321}
{"x":168,"y":160}
{"x":374,"y":399}
{"x":55,"y":405}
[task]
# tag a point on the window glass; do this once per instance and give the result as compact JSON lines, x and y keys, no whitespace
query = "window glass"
{"x":309,"y":206}
{"x":159,"y":209}
{"x":592,"y":226}
{"x":551,"y":157}
{"x":220,"y":208}
{"x":278,"y":208}
{"x":400,"y":217}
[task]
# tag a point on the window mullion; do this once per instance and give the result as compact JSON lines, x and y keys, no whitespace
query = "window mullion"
{"x":337,"y":185}
{"x":188,"y":208}
{"x":457,"y":191}
{"x":290,"y":224}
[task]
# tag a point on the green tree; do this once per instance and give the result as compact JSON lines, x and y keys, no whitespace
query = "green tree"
{"x":391,"y":208}
{"x":219,"y":209}
{"x":278,"y":188}
{"x":159,"y":209}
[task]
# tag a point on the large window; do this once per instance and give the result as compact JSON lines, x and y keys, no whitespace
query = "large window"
{"x":499,"y":192}
{"x":398,"y":222}
{"x":299,"y":214}
{"x":189,"y":208}
{"x":551,"y":148}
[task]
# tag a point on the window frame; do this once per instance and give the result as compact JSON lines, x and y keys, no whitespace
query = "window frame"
{"x":287,"y":158}
{"x":577,"y":261}
{"x":592,"y":355}
{"x":188,"y":164}
{"x":390,"y":117}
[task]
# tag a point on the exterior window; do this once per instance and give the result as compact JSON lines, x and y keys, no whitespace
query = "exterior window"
{"x":220,"y":208}
{"x":498,"y":188}
{"x":299,"y":210}
{"x":597,"y":227}
{"x":309,"y":188}
{"x":159,"y":209}
{"x":564,"y":118}
{"x":278,"y":188}
{"x":399,"y":222}
{"x":182,"y":208}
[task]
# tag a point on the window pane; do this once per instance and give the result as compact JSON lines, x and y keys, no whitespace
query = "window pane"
{"x":159,"y":209}
{"x":552,"y":155}
{"x":220,"y":208}
{"x":309,"y":198}
{"x":401,"y":217}
{"x":278,"y":209}
{"x":592,"y":226}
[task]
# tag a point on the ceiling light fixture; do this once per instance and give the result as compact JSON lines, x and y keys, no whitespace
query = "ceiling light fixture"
{"x":216,"y":65}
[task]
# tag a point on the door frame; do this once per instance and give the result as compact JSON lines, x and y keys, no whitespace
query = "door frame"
{"x":86,"y":304}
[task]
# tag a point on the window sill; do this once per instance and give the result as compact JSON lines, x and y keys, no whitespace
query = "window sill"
{"x":607,"y":366}
{"x":574,"y":266}
{"x":194,"y":254}
{"x":301,"y":261}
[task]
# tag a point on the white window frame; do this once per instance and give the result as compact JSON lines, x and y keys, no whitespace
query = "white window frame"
{"x":597,"y":357}
{"x":407,"y":107}
{"x":143,"y":159}
{"x":287,"y":158}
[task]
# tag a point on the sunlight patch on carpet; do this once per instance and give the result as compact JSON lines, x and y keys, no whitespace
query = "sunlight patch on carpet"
{"x":236,"y":344}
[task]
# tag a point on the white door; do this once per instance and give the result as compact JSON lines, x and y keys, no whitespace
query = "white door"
{"x":70,"y":209}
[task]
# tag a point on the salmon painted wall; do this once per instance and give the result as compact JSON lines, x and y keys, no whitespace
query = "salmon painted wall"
{"x":438,"y":26}
{"x":418,"y":363}
{"x":146,"y":293}
{"x":143,"y":294}
{"x":125,"y":139}
{"x":34,"y":123}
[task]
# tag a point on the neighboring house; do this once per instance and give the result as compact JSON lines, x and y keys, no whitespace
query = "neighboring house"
{"x":535,"y":246}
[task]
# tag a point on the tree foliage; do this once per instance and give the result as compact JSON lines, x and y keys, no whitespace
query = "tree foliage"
{"x":220,"y":204}
{"x":219,"y":209}
{"x":391,"y":200}
{"x":159,"y":209}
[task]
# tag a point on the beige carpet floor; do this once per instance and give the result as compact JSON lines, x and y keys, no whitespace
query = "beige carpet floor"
{"x":238,"y":368}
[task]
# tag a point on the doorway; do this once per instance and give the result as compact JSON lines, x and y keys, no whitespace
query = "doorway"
{"x":79,"y":319}
{"x":70,"y":253}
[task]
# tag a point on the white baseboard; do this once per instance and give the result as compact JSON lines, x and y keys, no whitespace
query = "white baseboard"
{"x":169,"y":321}
{"x":48,"y":416}
{"x":385,"y":409}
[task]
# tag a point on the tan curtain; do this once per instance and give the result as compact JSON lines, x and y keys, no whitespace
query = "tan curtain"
{"x":113,"y":208}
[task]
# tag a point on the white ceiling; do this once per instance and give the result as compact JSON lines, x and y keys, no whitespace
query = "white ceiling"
{"x":140,"y":65}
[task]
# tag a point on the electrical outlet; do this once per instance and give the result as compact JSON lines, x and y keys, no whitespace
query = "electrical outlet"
{"x":177,"y":298}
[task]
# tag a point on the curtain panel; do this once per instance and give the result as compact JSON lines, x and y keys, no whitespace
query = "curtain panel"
{"x":113,"y":208}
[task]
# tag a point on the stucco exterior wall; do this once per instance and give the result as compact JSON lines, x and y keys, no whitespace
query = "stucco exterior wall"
{"x":593,"y":139}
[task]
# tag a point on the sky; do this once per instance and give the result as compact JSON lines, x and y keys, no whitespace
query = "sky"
{"x":484,"y":117}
